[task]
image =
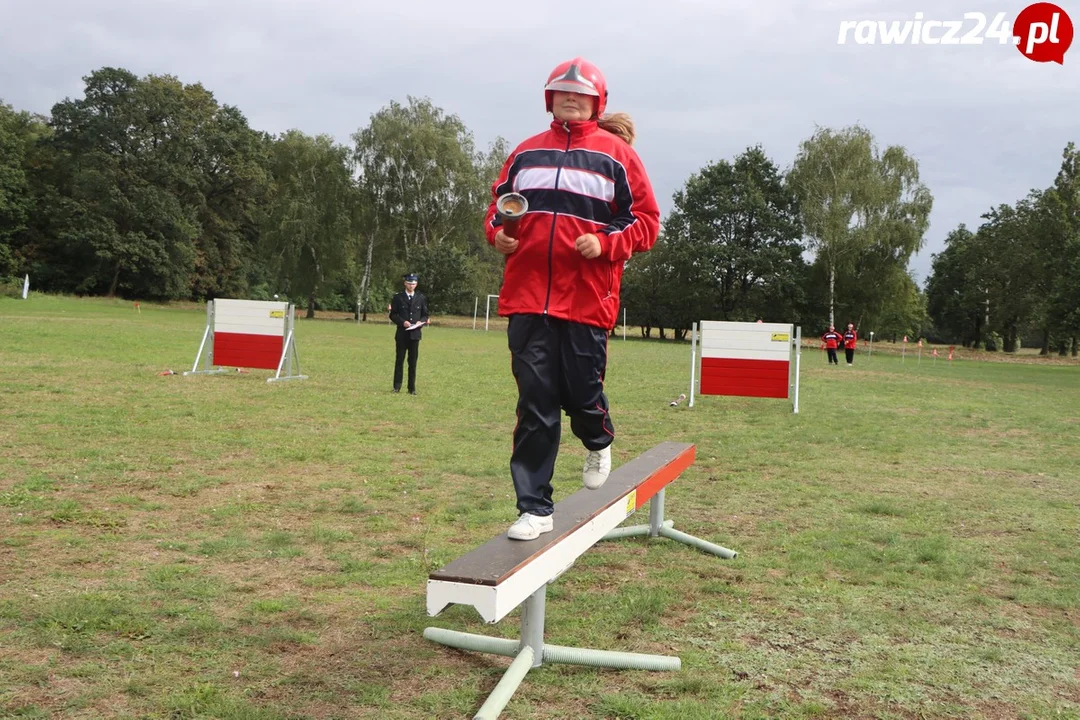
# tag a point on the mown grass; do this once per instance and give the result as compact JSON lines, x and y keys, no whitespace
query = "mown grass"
{"x":219,"y":547}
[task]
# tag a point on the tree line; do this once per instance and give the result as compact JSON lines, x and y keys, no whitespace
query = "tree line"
{"x":147,"y":187}
{"x":1017,"y":276}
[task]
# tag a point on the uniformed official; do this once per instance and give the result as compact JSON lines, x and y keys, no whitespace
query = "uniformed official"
{"x":409,"y":311}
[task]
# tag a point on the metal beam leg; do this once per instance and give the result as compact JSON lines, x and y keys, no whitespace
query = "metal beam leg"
{"x":658,"y":527}
{"x":634,"y":531}
{"x":557,"y":654}
{"x":699,"y":543}
{"x":531,"y":652}
{"x":532,"y":624}
{"x":510,"y":682}
{"x":656,"y":513}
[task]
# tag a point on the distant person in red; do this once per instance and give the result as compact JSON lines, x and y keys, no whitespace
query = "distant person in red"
{"x":850,"y":338}
{"x":832,"y":341}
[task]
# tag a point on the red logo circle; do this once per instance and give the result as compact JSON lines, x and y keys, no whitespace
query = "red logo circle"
{"x":1043,"y":32}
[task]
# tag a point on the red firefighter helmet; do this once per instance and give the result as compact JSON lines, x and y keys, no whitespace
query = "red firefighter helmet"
{"x":579,"y":76}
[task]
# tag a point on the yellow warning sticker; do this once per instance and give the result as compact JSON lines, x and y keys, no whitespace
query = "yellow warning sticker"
{"x":631,"y":502}
{"x":780,"y":337}
{"x":277,"y":313}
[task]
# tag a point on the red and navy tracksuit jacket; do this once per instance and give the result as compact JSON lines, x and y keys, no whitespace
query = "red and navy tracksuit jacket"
{"x":578,"y":178}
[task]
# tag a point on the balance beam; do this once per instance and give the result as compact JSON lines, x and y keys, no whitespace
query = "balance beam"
{"x":500,"y":575}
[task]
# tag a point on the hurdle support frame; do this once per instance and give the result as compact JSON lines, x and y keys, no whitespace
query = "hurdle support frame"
{"x":504,"y":574}
{"x":206,"y":351}
{"x":288,"y":352}
{"x":531,"y":652}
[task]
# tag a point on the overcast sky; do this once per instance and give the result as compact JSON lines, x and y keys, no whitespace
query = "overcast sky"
{"x":703,"y":79}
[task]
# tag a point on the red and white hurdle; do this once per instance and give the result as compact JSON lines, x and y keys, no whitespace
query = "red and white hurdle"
{"x":747,"y":359}
{"x":249,"y":334}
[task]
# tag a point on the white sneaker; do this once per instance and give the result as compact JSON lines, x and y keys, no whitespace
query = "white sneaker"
{"x":597,"y":467}
{"x":529,"y":527}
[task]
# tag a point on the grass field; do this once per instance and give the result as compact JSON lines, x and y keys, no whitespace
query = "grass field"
{"x":176,"y":548}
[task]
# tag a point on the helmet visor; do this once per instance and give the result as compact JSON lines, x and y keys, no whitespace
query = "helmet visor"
{"x":573,"y":80}
{"x":574,"y":86}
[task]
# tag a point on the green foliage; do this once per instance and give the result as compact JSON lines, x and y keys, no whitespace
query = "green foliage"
{"x":1015,"y":276}
{"x":645,"y":293}
{"x":426,"y":188}
{"x":904,"y":314}
{"x":445,"y":272}
{"x":235,"y":187}
{"x":379,"y":300}
{"x":729,"y":250}
{"x":956,"y":300}
{"x":11,"y":287}
{"x":16,"y":202}
{"x":1062,"y":256}
{"x":865,"y":213}
{"x":153,"y":190}
{"x":308,"y":226}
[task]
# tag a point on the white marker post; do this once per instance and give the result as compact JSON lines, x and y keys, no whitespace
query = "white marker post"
{"x":26,"y":287}
{"x":487,"y":310}
{"x":693,"y":361}
{"x":871,"y":351}
{"x":798,"y":358}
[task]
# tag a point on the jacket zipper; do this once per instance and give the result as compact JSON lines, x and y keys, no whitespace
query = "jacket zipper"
{"x":554,"y":217}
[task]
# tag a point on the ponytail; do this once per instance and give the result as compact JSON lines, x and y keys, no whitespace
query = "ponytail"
{"x":619,"y":124}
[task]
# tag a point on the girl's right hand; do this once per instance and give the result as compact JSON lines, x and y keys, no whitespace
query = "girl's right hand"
{"x":504,"y":243}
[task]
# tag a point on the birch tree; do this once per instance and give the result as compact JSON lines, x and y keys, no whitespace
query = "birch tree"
{"x":855,"y":202}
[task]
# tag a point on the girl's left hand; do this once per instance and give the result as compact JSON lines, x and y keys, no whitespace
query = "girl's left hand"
{"x":589,"y":246}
